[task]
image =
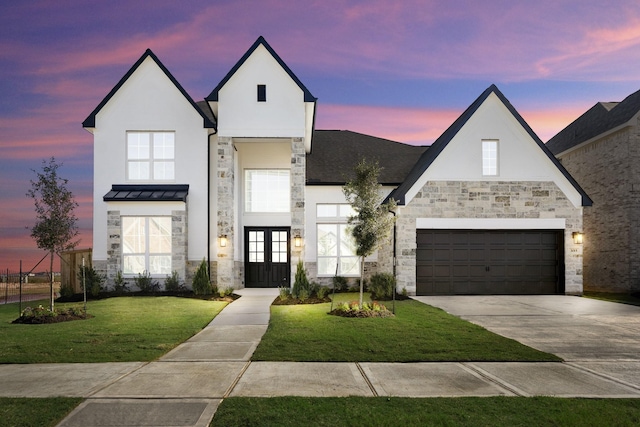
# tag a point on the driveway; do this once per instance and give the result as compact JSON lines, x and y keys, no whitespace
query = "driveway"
{"x":575,"y":328}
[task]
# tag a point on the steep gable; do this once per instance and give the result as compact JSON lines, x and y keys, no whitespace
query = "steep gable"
{"x":90,"y":121}
{"x":456,"y":155}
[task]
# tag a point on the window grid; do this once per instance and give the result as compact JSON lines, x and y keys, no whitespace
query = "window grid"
{"x":336,"y":251}
{"x":489,"y":157}
{"x":146,"y":245}
{"x":150,"y":156}
{"x":267,"y":190}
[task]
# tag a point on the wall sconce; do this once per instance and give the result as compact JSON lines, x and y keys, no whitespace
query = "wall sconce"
{"x":223,"y":241}
{"x":577,"y":237}
{"x":297,"y":241}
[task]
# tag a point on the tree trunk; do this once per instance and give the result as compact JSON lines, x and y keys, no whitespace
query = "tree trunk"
{"x":51,"y":281}
{"x":361,"y":279}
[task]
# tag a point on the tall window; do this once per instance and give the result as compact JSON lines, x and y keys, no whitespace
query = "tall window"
{"x":262,"y":93}
{"x":150,"y":156}
{"x":146,"y":245}
{"x":336,"y":247}
{"x":267,"y":190}
{"x":490,"y":157}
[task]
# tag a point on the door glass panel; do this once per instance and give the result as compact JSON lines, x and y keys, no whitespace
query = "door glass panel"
{"x":279,"y":246}
{"x":256,"y":246}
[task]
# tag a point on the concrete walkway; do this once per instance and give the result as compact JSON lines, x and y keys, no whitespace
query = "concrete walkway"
{"x":185,"y":387}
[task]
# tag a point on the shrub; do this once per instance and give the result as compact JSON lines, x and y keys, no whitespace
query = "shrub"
{"x":92,"y":279}
{"x":381,"y":286}
{"x":66,"y":290}
{"x":201,"y":284}
{"x":404,"y":292}
{"x":119,"y":284}
{"x":340,"y":283}
{"x":304,"y":295}
{"x":322,"y":292}
{"x":172,"y":283}
{"x":146,"y":283}
{"x":301,"y":283}
{"x":225,"y":292}
{"x":285,"y":293}
{"x":353,"y":309}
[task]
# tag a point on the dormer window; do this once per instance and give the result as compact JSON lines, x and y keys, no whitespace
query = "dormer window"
{"x":262,"y":93}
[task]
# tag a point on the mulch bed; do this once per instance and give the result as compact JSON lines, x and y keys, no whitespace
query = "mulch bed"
{"x":295,"y":301}
{"x":361,"y":313}
{"x":40,"y":320}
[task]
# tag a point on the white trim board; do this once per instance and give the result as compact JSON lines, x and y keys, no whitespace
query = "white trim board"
{"x":491,"y":223}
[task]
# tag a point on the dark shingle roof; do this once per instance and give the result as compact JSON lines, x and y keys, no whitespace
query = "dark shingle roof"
{"x":335,"y":154}
{"x":90,"y":121}
{"x":213,"y":96}
{"x":147,"y":193}
{"x":430,"y":155}
{"x":600,"y":118}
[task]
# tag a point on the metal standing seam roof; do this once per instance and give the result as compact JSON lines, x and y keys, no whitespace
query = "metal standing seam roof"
{"x":148,"y":193}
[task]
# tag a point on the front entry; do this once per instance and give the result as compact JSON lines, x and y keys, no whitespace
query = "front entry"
{"x":266,"y":257}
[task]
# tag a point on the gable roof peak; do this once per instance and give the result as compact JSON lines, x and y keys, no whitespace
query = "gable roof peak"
{"x":90,"y":121}
{"x":213,"y":96}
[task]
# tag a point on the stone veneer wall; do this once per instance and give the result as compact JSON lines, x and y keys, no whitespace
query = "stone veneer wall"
{"x":486,"y":199}
{"x":113,"y":264}
{"x":608,"y":169}
{"x":225,"y":271}
{"x":298,"y":182}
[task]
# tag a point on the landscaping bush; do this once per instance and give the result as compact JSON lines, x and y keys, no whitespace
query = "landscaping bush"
{"x":322,"y":292}
{"x":301,"y":283}
{"x":340,"y":284}
{"x":381,"y":286}
{"x":201,"y":284}
{"x":66,"y":291}
{"x":92,"y":279}
{"x":353,"y":309}
{"x":119,"y":284}
{"x":285,"y":293}
{"x":146,"y":283}
{"x":39,"y":315}
{"x":226,"y":292}
{"x":172,"y":283}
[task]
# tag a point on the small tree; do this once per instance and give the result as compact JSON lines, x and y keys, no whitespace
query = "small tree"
{"x":55,"y":226}
{"x":372,"y":222}
{"x":201,"y":284}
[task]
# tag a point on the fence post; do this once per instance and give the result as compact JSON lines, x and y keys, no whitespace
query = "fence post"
{"x":20,"y":298}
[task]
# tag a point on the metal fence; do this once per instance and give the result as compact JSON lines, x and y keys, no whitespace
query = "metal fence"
{"x":17,"y":286}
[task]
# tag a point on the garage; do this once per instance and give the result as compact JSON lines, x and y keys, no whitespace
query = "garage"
{"x":489,"y":262}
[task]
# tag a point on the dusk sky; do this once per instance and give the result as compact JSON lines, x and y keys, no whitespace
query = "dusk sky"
{"x":402,"y":70}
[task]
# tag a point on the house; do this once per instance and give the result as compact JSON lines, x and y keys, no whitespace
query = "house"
{"x":244,"y":181}
{"x":601,"y":149}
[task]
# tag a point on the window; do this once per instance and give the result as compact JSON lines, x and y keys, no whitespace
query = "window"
{"x":267,"y":190}
{"x":150,"y":156}
{"x":489,"y":157}
{"x":146,"y":245}
{"x":262,"y":93}
{"x":336,"y":247}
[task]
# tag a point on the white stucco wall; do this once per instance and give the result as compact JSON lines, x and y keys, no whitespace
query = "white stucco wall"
{"x":149,"y":101}
{"x":282,"y":115}
{"x":519,"y":157}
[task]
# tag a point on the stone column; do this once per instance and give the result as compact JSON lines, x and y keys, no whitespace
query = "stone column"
{"x":298,"y":180}
{"x":114,"y":244}
{"x":225,"y":211}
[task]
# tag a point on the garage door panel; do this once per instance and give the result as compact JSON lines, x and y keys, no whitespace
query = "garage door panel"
{"x":489,"y":262}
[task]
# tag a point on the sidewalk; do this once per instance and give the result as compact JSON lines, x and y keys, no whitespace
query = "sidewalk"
{"x":185,"y":387}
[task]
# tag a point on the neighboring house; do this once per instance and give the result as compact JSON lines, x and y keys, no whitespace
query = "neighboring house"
{"x":601,"y":149}
{"x":244,"y":181}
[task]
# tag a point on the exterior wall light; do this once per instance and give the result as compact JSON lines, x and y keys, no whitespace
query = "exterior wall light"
{"x":297,"y":241}
{"x":577,"y":237}
{"x":223,"y":241}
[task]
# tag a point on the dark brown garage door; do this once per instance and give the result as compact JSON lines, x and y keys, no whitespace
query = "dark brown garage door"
{"x":489,"y":262}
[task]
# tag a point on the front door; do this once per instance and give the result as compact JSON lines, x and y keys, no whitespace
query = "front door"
{"x":266,"y":257}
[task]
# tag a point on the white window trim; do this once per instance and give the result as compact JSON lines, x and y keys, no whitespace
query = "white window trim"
{"x":485,"y":161}
{"x":146,"y":253}
{"x":151,"y":159}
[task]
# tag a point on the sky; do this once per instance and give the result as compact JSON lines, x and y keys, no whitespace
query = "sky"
{"x":402,"y":70}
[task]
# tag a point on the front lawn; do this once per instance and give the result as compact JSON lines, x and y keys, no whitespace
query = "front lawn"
{"x":467,"y":411}
{"x":124,"y":329}
{"x":35,"y":412}
{"x":418,"y":333}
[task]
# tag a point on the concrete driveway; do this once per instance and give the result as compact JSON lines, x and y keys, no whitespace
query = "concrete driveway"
{"x":575,"y":328}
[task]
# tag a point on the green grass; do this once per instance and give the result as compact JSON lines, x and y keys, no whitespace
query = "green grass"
{"x":469,"y":411}
{"x":35,"y":412}
{"x":417,"y":333}
{"x":614,"y":297}
{"x":124,"y":329}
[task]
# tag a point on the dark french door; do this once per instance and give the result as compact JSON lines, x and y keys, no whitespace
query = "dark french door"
{"x":266,"y":257}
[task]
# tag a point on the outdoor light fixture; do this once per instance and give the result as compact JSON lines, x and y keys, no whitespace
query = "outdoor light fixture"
{"x":297,"y":241}
{"x":577,"y":237}
{"x":223,"y":241}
